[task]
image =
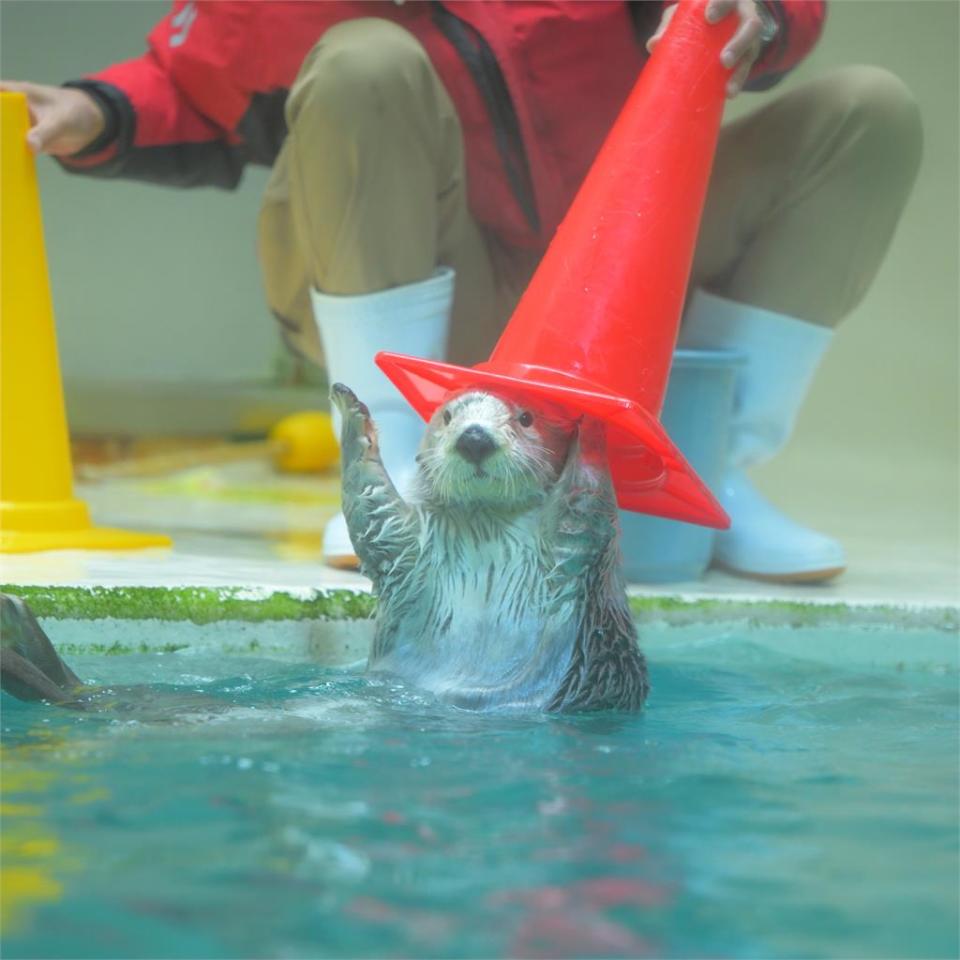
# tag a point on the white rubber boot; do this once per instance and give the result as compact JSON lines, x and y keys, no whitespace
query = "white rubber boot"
{"x":782,"y":354}
{"x":410,"y":319}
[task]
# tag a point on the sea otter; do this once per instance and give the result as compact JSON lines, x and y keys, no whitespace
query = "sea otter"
{"x":499,"y":579}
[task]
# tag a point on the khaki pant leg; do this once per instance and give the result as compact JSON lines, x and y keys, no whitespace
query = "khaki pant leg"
{"x":369,"y":190}
{"x":806,"y":193}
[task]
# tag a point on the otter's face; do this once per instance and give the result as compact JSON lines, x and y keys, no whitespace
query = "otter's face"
{"x":483,"y":449}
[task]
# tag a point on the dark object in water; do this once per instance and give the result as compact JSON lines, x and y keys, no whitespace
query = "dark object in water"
{"x":30,"y":668}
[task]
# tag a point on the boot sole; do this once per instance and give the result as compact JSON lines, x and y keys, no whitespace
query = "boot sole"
{"x":805,"y":576}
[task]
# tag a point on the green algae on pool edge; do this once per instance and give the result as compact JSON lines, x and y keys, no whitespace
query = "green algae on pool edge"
{"x":197,"y":605}
{"x":202,"y":605}
{"x":792,"y":613}
{"x":759,"y":807}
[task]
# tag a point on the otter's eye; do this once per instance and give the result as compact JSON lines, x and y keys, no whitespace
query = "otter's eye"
{"x":446,"y":416}
{"x":525,"y":418}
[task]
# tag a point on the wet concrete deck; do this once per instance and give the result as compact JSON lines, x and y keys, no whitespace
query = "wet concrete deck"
{"x":243,"y":528}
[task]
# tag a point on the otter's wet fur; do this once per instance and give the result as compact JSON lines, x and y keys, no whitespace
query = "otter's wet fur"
{"x":499,"y":578}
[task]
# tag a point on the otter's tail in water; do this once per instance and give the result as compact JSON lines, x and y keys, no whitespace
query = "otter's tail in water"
{"x":30,"y":668}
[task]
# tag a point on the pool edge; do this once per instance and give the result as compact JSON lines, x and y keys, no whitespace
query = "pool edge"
{"x":204,"y":605}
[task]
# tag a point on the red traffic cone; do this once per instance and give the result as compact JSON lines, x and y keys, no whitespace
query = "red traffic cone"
{"x":596,"y":328}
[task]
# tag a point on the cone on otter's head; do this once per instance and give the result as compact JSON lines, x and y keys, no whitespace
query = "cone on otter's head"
{"x":596,"y":327}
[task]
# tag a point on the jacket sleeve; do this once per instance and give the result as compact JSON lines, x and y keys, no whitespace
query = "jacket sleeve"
{"x":157,"y":136}
{"x":800,"y":24}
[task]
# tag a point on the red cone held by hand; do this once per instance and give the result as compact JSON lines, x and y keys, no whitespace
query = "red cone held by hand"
{"x":596,"y":328}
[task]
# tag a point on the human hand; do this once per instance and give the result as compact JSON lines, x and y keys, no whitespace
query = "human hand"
{"x":745,"y":45}
{"x":63,"y":120}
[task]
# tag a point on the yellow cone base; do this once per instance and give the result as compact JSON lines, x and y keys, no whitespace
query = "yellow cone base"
{"x":64,"y":525}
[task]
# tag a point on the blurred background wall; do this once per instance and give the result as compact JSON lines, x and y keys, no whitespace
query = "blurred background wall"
{"x":160,"y":315}
{"x":158,"y":297}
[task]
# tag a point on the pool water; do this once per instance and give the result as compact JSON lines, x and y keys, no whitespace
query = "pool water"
{"x":761,"y":806}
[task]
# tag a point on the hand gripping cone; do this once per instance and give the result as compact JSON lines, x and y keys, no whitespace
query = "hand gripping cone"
{"x":596,"y":328}
{"x":37,"y":508}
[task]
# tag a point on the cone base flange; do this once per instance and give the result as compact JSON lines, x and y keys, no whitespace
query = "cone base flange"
{"x":93,"y":538}
{"x":65,"y":525}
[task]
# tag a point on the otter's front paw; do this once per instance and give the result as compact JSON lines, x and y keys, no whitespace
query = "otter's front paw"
{"x":592,"y":443}
{"x":347,"y":401}
{"x":583,"y":503}
{"x":586,"y":462}
{"x":358,"y":435}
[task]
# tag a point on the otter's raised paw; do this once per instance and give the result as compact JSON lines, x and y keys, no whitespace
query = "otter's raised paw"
{"x":347,"y":401}
{"x":358,"y":435}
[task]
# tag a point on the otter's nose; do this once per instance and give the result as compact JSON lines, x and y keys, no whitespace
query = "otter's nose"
{"x":475,"y":444}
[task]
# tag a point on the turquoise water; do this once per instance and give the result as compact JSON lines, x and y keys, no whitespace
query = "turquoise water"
{"x":760,"y":807}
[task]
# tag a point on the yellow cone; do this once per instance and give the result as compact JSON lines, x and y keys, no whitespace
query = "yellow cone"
{"x":37,"y":508}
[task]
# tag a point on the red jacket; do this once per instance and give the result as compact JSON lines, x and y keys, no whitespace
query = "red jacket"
{"x":536,"y":86}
